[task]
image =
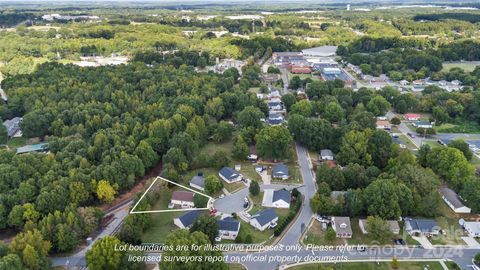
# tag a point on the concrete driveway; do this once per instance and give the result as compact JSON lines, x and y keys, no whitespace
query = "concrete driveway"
{"x":423,"y":240}
{"x":232,"y":203}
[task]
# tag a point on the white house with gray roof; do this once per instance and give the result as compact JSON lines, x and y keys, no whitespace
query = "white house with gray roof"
{"x":326,"y":154}
{"x":425,"y":227}
{"x":276,"y":198}
{"x":228,"y":228}
{"x":229,"y":175}
{"x":264,"y":219}
{"x":186,"y":220}
{"x":453,"y":201}
{"x":472,"y":227}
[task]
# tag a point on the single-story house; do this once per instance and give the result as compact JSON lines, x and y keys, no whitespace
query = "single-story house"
{"x":412,"y":116}
{"x":472,"y":227}
{"x":453,"y":200}
{"x":13,"y":127}
{"x":228,"y":228}
{"x":426,"y":227}
{"x":422,"y":124}
{"x":383,"y":124}
{"x":229,"y":175}
{"x":394,"y":227}
{"x":198,"y":182}
{"x":264,"y":219}
{"x":326,"y":154}
{"x":182,"y":198}
{"x":280,"y":171}
{"x":342,"y":226}
{"x":276,"y":198}
{"x":186,"y":220}
{"x":39,"y":147}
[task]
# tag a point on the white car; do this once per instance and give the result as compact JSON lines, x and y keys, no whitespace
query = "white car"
{"x":403,"y":146}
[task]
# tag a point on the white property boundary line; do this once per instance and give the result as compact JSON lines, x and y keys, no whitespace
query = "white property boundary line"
{"x":169,"y":210}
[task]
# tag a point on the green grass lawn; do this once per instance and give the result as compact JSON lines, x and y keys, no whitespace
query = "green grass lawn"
{"x":371,"y":266}
{"x":257,"y":236}
{"x":257,"y":203}
{"x":460,"y":127}
{"x":448,"y":221}
{"x":162,"y":223}
{"x":213,"y":147}
{"x":407,"y":142}
{"x":16,"y":142}
{"x":235,"y":266}
{"x":466,"y":66}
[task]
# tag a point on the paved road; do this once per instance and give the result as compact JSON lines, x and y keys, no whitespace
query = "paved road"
{"x":292,"y":236}
{"x":232,"y":203}
{"x":78,"y":258}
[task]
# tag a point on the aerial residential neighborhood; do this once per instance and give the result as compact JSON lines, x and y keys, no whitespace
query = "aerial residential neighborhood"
{"x":232,"y":135}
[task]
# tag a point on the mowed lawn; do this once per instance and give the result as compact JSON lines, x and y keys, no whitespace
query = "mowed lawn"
{"x":162,"y":223}
{"x":433,"y":265}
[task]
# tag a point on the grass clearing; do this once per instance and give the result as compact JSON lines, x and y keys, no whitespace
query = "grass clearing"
{"x":459,"y":127}
{"x":433,"y":265}
{"x":235,"y":266}
{"x":407,"y":142}
{"x":257,"y":236}
{"x":466,"y":66}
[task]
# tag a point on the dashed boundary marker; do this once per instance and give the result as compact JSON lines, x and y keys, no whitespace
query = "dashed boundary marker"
{"x":210,"y":199}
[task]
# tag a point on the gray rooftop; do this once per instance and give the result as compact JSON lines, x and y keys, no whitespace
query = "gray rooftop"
{"x":228,"y":173}
{"x":280,"y":170}
{"x":451,"y":196}
{"x":188,"y":218}
{"x":322,"y":50}
{"x":326,"y":152}
{"x":265,"y":216}
{"x":342,"y":225}
{"x":283,"y":195}
{"x":228,"y":224}
{"x":12,"y":125}
{"x":198,"y":180}
{"x":422,"y":225}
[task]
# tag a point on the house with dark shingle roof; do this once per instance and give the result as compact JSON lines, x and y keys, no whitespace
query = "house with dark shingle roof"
{"x":13,"y":127}
{"x":280,"y":171}
{"x":453,"y":201}
{"x":229,"y":175}
{"x":264,"y":219}
{"x":326,"y":154}
{"x":276,"y":198}
{"x":183,"y":198}
{"x":186,"y":220}
{"x":228,"y":228}
{"x":198,"y":182}
{"x":425,"y":227}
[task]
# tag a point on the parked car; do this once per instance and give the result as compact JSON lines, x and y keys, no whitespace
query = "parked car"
{"x":411,"y":135}
{"x":245,"y":205}
{"x":395,"y":136}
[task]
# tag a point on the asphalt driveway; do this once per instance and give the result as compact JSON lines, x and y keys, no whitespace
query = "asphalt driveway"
{"x":232,"y":203}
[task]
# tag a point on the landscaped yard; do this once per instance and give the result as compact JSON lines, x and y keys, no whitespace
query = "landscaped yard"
{"x":372,"y":266}
{"x":257,"y":236}
{"x":448,"y":221}
{"x":235,"y":266}
{"x":162,"y":223}
{"x":316,"y":236}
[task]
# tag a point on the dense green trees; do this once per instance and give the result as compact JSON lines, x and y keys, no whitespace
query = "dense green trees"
{"x":207,"y":225}
{"x":273,"y":142}
{"x":212,"y":184}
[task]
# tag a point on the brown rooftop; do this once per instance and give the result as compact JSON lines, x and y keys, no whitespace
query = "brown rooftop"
{"x":182,"y":196}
